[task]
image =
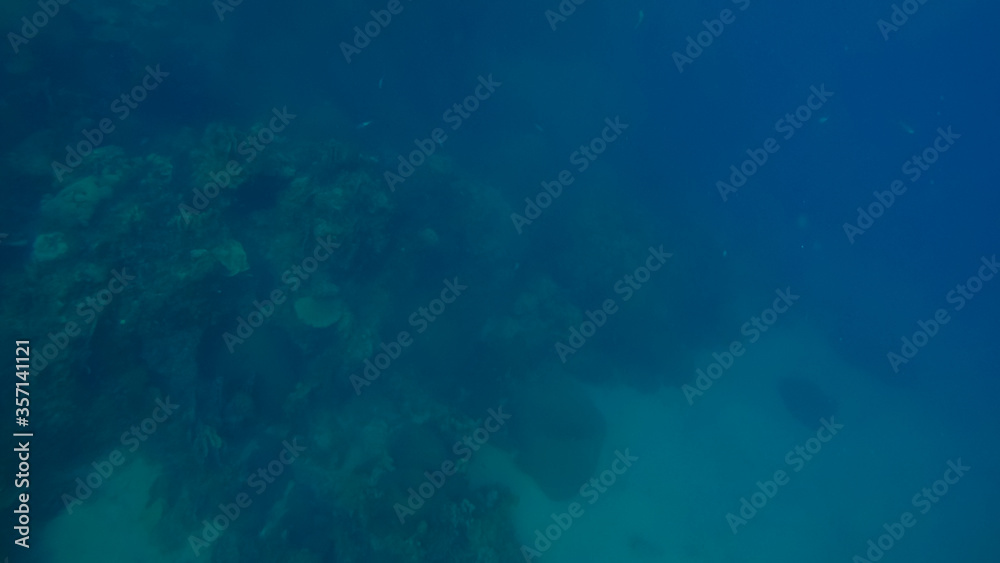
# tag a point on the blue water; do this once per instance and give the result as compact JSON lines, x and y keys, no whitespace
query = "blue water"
{"x":478,"y":282}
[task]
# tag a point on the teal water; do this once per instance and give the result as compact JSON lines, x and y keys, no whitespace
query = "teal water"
{"x":471,"y":282}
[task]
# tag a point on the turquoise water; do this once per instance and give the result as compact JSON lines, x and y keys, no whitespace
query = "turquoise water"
{"x":554,"y":281}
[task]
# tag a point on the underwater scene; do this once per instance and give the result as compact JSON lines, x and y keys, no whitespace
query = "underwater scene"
{"x":543,"y":281}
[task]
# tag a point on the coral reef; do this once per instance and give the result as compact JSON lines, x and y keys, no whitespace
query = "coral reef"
{"x":251,"y":293}
{"x":49,"y":246}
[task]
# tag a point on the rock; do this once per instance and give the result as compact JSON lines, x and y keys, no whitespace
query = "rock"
{"x":558,"y":433}
{"x":319,"y":312}
{"x":232,"y":257}
{"x":75,"y":204}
